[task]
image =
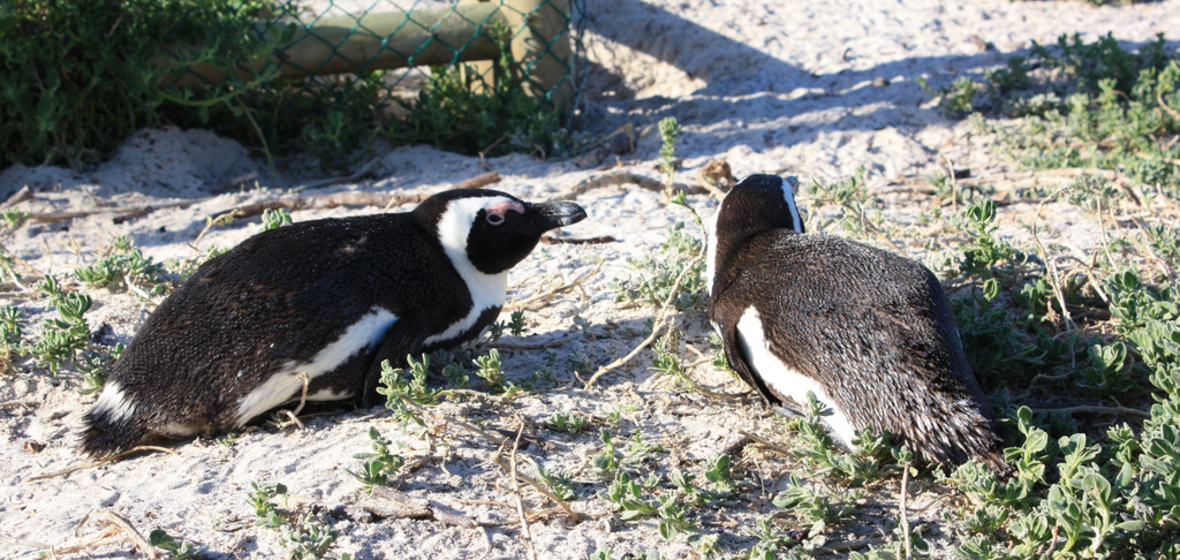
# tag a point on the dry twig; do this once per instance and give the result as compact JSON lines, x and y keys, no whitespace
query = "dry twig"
{"x":662,"y":321}
{"x":622,"y":178}
{"x":101,"y":462}
{"x":526,"y":534}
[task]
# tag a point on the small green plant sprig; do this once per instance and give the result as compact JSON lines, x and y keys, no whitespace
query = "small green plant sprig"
{"x":406,"y":396}
{"x":515,"y":326}
{"x":719,"y":485}
{"x":490,"y":369}
{"x":12,"y":219}
{"x":95,"y":366}
{"x":176,"y":549}
{"x":305,"y":536}
{"x":667,"y":358}
{"x":571,"y":423}
{"x":64,"y":339}
{"x":628,"y":494}
{"x":608,"y":462}
{"x":669,"y":131}
{"x":817,"y":449}
{"x":374,"y":469}
{"x":985,"y":254}
{"x":815,"y":509}
{"x":560,"y":484}
{"x":126,"y":265}
{"x":61,"y":338}
{"x":11,"y":322}
{"x":658,"y":276}
{"x":859,"y":214}
{"x":957,"y":98}
{"x":273,"y":218}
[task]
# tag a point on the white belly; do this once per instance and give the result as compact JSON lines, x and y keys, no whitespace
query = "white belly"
{"x":786,"y":381}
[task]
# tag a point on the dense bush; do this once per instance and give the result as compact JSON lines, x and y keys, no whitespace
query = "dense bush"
{"x":81,"y":76}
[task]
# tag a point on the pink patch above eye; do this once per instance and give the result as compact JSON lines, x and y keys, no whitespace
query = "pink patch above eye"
{"x":505,"y":206}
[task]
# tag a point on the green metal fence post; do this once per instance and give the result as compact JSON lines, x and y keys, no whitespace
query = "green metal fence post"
{"x":541,"y":46}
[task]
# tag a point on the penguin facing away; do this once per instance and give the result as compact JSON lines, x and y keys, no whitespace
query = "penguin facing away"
{"x":870,"y":333}
{"x":327,"y":299}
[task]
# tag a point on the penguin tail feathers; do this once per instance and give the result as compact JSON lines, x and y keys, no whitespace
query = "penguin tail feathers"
{"x":105,"y":436}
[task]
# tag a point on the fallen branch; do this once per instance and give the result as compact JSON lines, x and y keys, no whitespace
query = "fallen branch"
{"x":17,"y":197}
{"x":101,"y":462}
{"x":905,"y":519}
{"x":615,"y":178}
{"x":579,"y":241}
{"x":526,"y":534}
{"x":767,"y":443}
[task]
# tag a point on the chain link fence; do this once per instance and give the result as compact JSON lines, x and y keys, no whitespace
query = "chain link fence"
{"x":393,"y":49}
{"x":325,"y":76}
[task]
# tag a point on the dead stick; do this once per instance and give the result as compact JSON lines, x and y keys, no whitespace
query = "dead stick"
{"x":573,"y":515}
{"x":579,"y":241}
{"x":102,"y":462}
{"x":524,"y":522}
{"x":622,"y":178}
{"x":656,"y":327}
{"x":1054,"y":277}
{"x":479,"y":181}
{"x":131,"y":533}
{"x":17,"y":197}
{"x":905,"y":519}
{"x":766,"y":443}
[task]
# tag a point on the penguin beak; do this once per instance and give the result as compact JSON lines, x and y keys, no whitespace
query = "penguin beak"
{"x":558,"y":214}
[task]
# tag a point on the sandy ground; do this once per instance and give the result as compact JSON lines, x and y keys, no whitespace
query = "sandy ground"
{"x":816,"y":89}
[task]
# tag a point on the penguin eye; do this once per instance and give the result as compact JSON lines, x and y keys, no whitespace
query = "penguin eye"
{"x":495,"y":219}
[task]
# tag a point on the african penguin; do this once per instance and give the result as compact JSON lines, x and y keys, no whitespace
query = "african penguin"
{"x":326,"y":299}
{"x":869,"y":332}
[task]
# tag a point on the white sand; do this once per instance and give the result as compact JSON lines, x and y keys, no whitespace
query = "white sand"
{"x":768,"y":87}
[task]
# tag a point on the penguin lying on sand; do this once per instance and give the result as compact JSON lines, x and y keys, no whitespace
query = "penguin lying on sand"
{"x":327,"y":298}
{"x":869,"y":332}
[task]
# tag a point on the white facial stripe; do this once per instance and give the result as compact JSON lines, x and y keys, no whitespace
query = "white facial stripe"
{"x":112,"y":405}
{"x":487,"y":290}
{"x":789,"y":194}
{"x":711,"y":248}
{"x":278,"y":389}
{"x":784,"y":380}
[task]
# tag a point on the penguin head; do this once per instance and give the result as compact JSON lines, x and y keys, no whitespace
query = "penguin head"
{"x":758,"y":203}
{"x":491,"y":229}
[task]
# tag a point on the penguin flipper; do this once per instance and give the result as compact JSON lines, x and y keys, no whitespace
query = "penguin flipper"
{"x":738,"y":357}
{"x":401,"y":340}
